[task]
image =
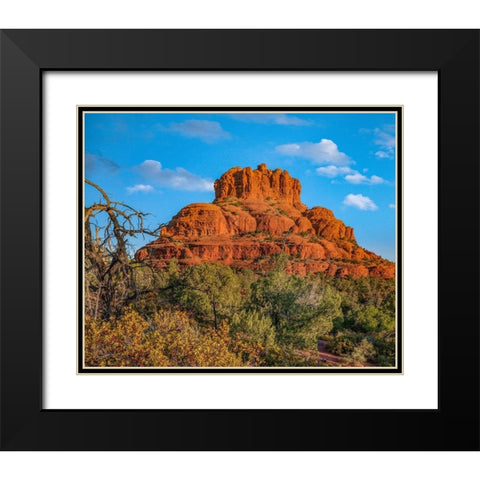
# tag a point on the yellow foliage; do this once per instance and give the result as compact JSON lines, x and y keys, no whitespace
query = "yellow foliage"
{"x":170,"y":338}
{"x":251,"y":351}
{"x":126,"y":342}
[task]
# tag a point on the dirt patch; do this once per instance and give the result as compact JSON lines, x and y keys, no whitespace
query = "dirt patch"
{"x":327,"y":357}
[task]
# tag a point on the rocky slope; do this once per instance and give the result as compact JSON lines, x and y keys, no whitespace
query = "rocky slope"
{"x":255,"y":215}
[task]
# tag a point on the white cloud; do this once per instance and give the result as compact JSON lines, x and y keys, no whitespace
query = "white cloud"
{"x":360,"y":202}
{"x":324,"y":151}
{"x":179,"y":179}
{"x":358,"y":179}
{"x":351,"y":176}
{"x":140,"y":188}
{"x":376,"y":180}
{"x":205,"y":130}
{"x":271,"y":118}
{"x":392,"y":205}
{"x":384,"y":138}
{"x":333,"y":171}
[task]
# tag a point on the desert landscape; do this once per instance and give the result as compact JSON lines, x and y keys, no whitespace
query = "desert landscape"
{"x":183,"y":270}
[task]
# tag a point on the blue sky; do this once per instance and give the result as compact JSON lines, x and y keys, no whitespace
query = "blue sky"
{"x":160,"y":162}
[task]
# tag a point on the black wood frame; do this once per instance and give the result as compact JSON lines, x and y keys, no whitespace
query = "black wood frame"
{"x":26,"y":54}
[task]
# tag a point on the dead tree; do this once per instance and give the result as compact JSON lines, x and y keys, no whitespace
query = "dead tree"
{"x":109,"y":271}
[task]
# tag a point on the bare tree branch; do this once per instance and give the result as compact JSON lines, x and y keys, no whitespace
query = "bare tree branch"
{"x":106,"y":253}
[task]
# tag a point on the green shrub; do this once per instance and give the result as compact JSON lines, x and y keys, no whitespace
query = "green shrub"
{"x":362,"y":353}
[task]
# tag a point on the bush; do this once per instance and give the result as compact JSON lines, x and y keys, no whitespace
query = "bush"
{"x":341,"y":345}
{"x":124,"y":342}
{"x":385,"y":350}
{"x":169,"y":339}
{"x":212,"y":292}
{"x":256,"y":327}
{"x":362,"y":353}
{"x":372,"y":319}
{"x":213,"y":315}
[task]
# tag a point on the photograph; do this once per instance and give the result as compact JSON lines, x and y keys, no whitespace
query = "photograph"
{"x":239,"y":239}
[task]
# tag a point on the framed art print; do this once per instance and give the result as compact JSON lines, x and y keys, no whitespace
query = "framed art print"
{"x":239,"y":231}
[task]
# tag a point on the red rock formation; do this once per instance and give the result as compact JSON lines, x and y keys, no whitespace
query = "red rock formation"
{"x":255,"y":215}
{"x":197,"y":220}
{"x":326,"y":225}
{"x":262,"y":183}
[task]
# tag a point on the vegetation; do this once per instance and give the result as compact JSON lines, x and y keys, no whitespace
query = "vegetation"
{"x":215,"y":315}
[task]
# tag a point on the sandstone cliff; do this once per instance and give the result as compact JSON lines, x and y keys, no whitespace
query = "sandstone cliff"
{"x":255,"y":215}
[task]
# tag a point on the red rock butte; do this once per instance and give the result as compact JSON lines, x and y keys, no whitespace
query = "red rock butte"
{"x":257,"y":214}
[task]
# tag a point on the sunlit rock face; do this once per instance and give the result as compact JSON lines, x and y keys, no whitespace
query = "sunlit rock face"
{"x":255,"y":215}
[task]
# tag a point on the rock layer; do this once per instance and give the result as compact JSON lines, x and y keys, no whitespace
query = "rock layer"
{"x":260,"y":184}
{"x":257,"y":214}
